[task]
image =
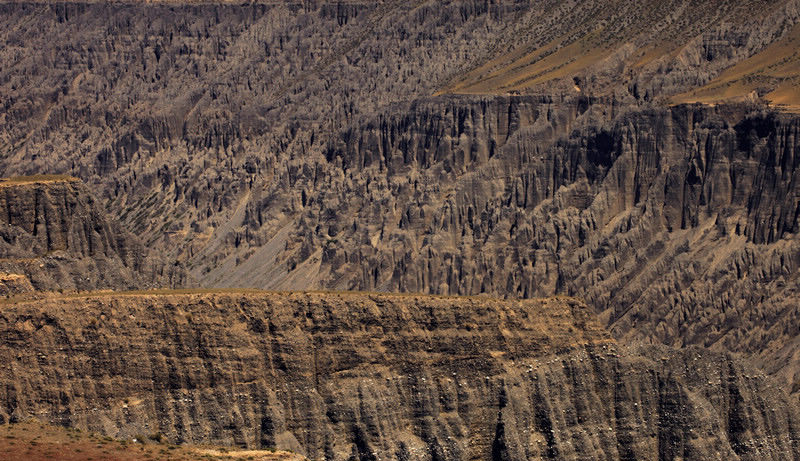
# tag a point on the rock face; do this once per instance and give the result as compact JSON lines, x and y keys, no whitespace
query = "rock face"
{"x":366,"y":377}
{"x":274,"y":146}
{"x":297,"y":145}
{"x":679,"y":225}
{"x":53,"y":231}
{"x":181,"y":116}
{"x":14,"y":284}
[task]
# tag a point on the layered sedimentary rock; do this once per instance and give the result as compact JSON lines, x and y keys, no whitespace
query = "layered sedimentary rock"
{"x":14,"y":284}
{"x":54,"y":235}
{"x":367,"y":376}
{"x":274,"y":146}
{"x":678,"y":224}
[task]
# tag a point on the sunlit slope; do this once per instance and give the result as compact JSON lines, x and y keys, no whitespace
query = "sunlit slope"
{"x":772,"y":74}
{"x":649,"y":49}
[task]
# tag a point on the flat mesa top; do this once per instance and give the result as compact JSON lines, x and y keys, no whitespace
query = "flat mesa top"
{"x":14,"y":181}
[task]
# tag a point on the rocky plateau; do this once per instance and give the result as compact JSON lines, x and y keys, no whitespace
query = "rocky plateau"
{"x":378,"y":376}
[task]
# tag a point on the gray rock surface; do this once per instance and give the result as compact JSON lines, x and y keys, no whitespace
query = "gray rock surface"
{"x":297,"y":145}
{"x":678,"y":225}
{"x":180,"y":115}
{"x":54,"y":235}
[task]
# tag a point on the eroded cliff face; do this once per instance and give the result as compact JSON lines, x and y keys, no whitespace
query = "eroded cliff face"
{"x":365,"y":376}
{"x":679,"y":225}
{"x":53,"y":232}
{"x":273,"y":145}
{"x":175,"y":113}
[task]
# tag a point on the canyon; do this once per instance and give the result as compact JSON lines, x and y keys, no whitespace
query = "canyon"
{"x":588,"y":213}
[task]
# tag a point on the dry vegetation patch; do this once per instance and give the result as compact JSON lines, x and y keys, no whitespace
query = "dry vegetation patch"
{"x":35,"y":441}
{"x":36,"y":179}
{"x":771,"y":74}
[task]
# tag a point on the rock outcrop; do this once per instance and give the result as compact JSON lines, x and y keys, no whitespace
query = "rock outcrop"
{"x":273,"y":145}
{"x":54,"y":235}
{"x":367,"y":377}
{"x":177,"y":115}
{"x":296,"y":145}
{"x":14,"y":284}
{"x":679,"y":225}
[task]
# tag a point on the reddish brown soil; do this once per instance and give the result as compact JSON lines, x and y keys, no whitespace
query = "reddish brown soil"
{"x":35,"y":441}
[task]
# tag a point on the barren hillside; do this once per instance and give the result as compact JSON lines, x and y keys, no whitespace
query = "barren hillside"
{"x":55,"y":236}
{"x":34,"y":441}
{"x":640,"y":156}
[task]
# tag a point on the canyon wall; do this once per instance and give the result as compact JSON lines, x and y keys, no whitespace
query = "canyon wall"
{"x":458,"y":148}
{"x":178,"y":116}
{"x":679,"y":225}
{"x":55,"y":235}
{"x":367,"y":377}
{"x":298,"y":146}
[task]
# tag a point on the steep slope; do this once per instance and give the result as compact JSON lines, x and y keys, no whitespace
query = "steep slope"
{"x":648,"y":50}
{"x":680,"y":225}
{"x":53,"y":235}
{"x":771,"y":74}
{"x":294,"y":145}
{"x":361,"y":376}
{"x":174,"y":112}
{"x":358,"y":376}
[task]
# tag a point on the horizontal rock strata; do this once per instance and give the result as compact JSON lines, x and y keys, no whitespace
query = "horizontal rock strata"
{"x":367,"y":377}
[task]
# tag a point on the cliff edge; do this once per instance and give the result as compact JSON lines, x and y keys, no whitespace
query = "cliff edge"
{"x":53,"y":232}
{"x":367,"y":377}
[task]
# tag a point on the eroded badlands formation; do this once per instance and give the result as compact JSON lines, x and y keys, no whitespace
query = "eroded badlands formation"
{"x":497,"y":149}
{"x":367,"y":376}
